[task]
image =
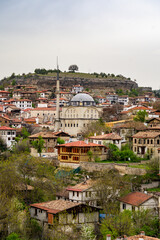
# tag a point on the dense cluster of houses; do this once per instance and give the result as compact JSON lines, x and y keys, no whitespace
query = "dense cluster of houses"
{"x":24,"y":106}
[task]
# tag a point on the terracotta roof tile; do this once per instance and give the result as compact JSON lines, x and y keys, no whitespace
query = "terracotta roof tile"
{"x":150,"y":134}
{"x":141,"y":237}
{"x":109,"y":136}
{"x":83,"y":186}
{"x":6,"y":128}
{"x":80,"y":144}
{"x":43,"y":135}
{"x":135,"y":198}
{"x":55,"y":205}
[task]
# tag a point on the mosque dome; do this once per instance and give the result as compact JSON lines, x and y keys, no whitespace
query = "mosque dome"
{"x":82,"y":99}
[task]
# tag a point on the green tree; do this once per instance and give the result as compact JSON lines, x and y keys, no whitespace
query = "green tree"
{"x":73,"y":68}
{"x":25,"y":133}
{"x":90,"y":155}
{"x":13,"y":236}
{"x":60,"y":140}
{"x":3,"y":145}
{"x":140,"y":116}
{"x":13,"y":82}
{"x":38,"y":144}
{"x":118,"y":225}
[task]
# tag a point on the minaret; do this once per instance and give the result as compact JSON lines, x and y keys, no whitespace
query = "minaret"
{"x":57,"y":120}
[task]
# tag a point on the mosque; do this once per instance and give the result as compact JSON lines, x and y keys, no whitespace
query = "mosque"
{"x":81,"y":111}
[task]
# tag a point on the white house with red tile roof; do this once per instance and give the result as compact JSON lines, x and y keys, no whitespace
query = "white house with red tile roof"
{"x":83,"y":192}
{"x":138,"y":201}
{"x":77,"y":89}
{"x":8,"y":135}
{"x":104,"y":139}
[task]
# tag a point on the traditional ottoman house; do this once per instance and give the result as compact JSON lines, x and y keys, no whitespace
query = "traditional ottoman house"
{"x":153,"y":122}
{"x":72,"y":153}
{"x":105,"y":139}
{"x":146,"y":143}
{"x":5,"y":121}
{"x":8,"y":135}
{"x":138,"y":201}
{"x":127,"y":130}
{"x":50,"y":140}
{"x":64,"y":214}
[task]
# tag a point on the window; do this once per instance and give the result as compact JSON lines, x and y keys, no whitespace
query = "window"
{"x":35,"y":213}
{"x":77,"y":194}
{"x":157,"y":141}
{"x":75,"y":150}
{"x":148,"y":141}
{"x":75,"y":158}
{"x":124,"y":206}
{"x":63,"y":149}
{"x":151,"y":141}
{"x":77,"y":124}
{"x":64,"y":157}
{"x":9,"y":139}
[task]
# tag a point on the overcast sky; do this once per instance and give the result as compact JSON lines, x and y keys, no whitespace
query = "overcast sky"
{"x":111,"y":36}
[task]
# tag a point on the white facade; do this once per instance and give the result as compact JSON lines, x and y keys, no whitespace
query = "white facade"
{"x":75,"y":119}
{"x":23,"y":103}
{"x":8,"y":135}
{"x":151,"y":204}
{"x":88,"y":197}
{"x":123,"y":100}
{"x":77,"y":89}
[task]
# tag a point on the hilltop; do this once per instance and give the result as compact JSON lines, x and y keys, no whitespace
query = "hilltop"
{"x":68,"y":79}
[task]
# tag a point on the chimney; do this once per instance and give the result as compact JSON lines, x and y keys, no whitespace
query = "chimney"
{"x":94,"y":134}
{"x":108,"y":237}
{"x":142,"y":233}
{"x":102,"y":133}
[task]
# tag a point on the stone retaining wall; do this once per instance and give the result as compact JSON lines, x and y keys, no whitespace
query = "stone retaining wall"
{"x":122,"y":168}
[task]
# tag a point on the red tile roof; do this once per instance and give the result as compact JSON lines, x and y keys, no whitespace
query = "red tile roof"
{"x":109,"y":136}
{"x":150,"y":134}
{"x":43,"y":109}
{"x":80,"y":144}
{"x":55,"y":206}
{"x":135,"y":198}
{"x":80,"y":187}
{"x":6,"y":128}
{"x":141,"y":237}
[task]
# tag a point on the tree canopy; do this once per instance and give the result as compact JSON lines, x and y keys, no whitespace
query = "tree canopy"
{"x":73,"y":68}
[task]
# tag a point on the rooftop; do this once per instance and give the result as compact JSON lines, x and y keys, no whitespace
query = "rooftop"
{"x":150,"y":134}
{"x":80,"y":144}
{"x":55,"y":206}
{"x":109,"y":136}
{"x":135,"y":198}
{"x":82,"y":97}
{"x":81,"y":186}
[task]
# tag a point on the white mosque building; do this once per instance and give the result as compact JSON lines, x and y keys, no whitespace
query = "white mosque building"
{"x":81,"y":111}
